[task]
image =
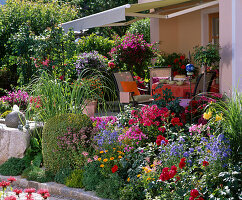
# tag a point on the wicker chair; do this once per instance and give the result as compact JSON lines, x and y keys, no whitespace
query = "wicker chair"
{"x":159,"y":72}
{"x":128,"y":97}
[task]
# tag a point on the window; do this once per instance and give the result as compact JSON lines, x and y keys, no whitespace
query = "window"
{"x":214,"y":28}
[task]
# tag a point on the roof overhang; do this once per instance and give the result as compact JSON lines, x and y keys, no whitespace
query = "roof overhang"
{"x":113,"y":16}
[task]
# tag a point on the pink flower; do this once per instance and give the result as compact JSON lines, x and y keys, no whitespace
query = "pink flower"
{"x":4,"y":184}
{"x":11,"y":179}
{"x":17,"y":191}
{"x":84,"y":153}
{"x":10,"y":198}
{"x":89,"y":160}
{"x":29,"y":190}
{"x":95,"y":157}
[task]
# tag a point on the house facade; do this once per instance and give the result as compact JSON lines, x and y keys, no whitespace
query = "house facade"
{"x":220,"y":23}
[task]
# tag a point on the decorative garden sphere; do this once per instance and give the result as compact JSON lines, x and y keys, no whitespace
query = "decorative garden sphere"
{"x":190,"y":67}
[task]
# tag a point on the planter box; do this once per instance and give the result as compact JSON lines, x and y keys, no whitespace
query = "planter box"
{"x":90,"y":108}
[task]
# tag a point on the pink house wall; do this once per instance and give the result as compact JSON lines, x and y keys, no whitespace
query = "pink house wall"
{"x":225,"y":40}
{"x":231,"y":45}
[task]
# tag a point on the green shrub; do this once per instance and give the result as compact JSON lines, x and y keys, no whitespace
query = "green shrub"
{"x":95,"y":43}
{"x":132,"y":192}
{"x":62,"y":175}
{"x":75,"y":179}
{"x":34,"y":173}
{"x":12,"y":167}
{"x":92,"y":176}
{"x":110,"y":187}
{"x":5,"y":114}
{"x":55,"y":158}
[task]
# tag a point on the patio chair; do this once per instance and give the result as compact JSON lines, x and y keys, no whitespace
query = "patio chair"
{"x":210,"y":76}
{"x":159,"y":73}
{"x":128,"y":91}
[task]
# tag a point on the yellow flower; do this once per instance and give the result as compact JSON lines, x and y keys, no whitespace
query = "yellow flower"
{"x":152,"y":165}
{"x":106,"y":151}
{"x":101,"y":152}
{"x":102,"y":165}
{"x":105,"y":160}
{"x":148,"y":179}
{"x":112,"y":158}
{"x":207,"y":115}
{"x":120,"y":157}
{"x":218,"y":117}
{"x":128,"y":179}
{"x":148,"y":171}
{"x":99,"y":159}
{"x":139,"y":175}
{"x":114,"y":148}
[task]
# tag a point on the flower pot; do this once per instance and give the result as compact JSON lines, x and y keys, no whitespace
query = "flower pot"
{"x":90,"y":108}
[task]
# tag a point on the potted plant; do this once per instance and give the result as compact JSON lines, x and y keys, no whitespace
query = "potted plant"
{"x":207,"y":57}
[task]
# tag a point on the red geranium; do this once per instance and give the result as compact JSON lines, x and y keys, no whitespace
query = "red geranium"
{"x":205,"y":163}
{"x":176,"y":121}
{"x":111,"y":65}
{"x":159,"y":139}
{"x":194,"y":193}
{"x":168,"y":173}
{"x":182,"y":57}
{"x":182,"y":163}
{"x":61,"y":77}
{"x":183,"y":67}
{"x":114,"y":168}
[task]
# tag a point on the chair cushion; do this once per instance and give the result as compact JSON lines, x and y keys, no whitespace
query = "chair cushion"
{"x":157,"y":79}
{"x":143,"y":98}
{"x":130,"y":86}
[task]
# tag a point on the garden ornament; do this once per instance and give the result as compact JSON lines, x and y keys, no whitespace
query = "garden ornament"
{"x":15,"y":119}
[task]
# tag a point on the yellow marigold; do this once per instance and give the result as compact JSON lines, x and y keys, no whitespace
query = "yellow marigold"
{"x":148,"y":179}
{"x":207,"y":115}
{"x":148,"y":171}
{"x":112,"y":158}
{"x":152,"y":165}
{"x":106,"y":151}
{"x":218,"y":117}
{"x":99,"y":159}
{"x":101,"y":152}
{"x":128,"y":179}
{"x":114,"y":148}
{"x":105,"y":160}
{"x":120,"y":157}
{"x":139,"y":175}
{"x":102,"y":165}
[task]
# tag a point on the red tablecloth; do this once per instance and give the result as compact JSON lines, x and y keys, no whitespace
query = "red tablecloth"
{"x":177,"y":90}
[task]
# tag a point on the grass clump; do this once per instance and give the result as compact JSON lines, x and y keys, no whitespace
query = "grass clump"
{"x":75,"y":179}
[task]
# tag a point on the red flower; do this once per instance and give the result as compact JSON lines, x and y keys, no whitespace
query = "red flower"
{"x":182,"y":57}
{"x":178,"y":178}
{"x":4,"y":184}
{"x":194,"y":193}
{"x":29,"y":190}
{"x":11,"y":179}
{"x":205,"y":163}
{"x":111,"y":65}
{"x":114,"y":168}
{"x":159,"y":139}
{"x":61,"y":77}
{"x":176,"y":121}
{"x":182,"y":163}
{"x":169,"y":65}
{"x":183,"y":67}
{"x":17,"y":191}
{"x":176,"y":60}
{"x":191,"y":198}
{"x":200,"y":198}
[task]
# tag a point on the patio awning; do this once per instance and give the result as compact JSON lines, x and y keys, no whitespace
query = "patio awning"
{"x":118,"y":14}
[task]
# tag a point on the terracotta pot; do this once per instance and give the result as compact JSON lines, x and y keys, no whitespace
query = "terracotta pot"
{"x":90,"y":108}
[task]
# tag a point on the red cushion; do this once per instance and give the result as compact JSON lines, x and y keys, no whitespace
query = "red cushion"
{"x":130,"y":86}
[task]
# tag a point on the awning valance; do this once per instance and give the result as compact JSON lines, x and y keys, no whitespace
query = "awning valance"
{"x":118,"y":14}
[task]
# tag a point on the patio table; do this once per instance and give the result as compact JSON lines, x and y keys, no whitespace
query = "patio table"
{"x":182,"y":91}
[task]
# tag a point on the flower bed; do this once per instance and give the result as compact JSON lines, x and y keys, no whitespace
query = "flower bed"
{"x":8,"y":193}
